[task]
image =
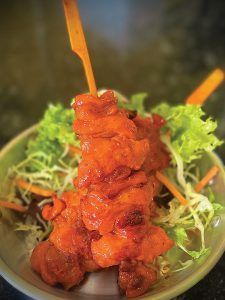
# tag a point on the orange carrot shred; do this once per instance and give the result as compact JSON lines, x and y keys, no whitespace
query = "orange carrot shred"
{"x":13,"y":206}
{"x":33,"y":188}
{"x":164,"y":180}
{"x":205,"y":180}
{"x":206,"y":88}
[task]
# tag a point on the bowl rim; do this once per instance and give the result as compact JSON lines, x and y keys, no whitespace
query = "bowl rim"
{"x":30,"y":290}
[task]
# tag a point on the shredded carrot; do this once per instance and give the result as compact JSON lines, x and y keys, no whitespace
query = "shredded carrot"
{"x":33,"y":188}
{"x":13,"y":206}
{"x":205,"y":180}
{"x":163,"y":179}
{"x":74,"y":150}
{"x":206,"y":88}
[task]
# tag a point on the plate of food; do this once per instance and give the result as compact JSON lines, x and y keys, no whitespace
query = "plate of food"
{"x":106,"y":199}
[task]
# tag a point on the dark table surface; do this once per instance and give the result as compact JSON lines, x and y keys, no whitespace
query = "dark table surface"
{"x":163,"y":47}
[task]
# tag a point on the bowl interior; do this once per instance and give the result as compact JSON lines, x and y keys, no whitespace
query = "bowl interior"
{"x":14,"y":256}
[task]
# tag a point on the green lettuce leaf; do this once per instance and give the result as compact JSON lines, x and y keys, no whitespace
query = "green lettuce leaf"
{"x":54,"y":132}
{"x":217,"y":206}
{"x":178,"y":235}
{"x":191,"y":133}
{"x":136,"y":103}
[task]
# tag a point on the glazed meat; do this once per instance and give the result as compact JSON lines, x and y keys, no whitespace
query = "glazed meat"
{"x":107,"y":220}
{"x":57,"y":266}
{"x":66,"y":256}
{"x":92,"y":113}
{"x":149,"y":128}
{"x":112,"y":248}
{"x":135,"y":278}
{"x":104,"y":214}
{"x":98,"y":161}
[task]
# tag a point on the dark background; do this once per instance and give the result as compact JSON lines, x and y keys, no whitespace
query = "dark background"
{"x":163,"y":47}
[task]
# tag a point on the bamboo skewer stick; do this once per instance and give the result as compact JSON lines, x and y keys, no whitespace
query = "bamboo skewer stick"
{"x":78,"y":42}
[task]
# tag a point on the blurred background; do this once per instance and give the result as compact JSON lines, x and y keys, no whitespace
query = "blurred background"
{"x":163,"y":47}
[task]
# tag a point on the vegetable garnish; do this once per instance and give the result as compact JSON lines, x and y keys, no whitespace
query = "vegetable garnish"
{"x":13,"y":206}
{"x":33,"y":188}
{"x":136,"y":103}
{"x":54,"y":134}
{"x":191,"y":134}
{"x":205,"y":180}
{"x":207,"y":87}
{"x":164,"y":180}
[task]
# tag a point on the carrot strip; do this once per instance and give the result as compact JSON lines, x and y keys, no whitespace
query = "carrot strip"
{"x":205,"y":180}
{"x":206,"y":88}
{"x":13,"y":206}
{"x":163,"y":179}
{"x":74,"y":150}
{"x":33,"y":188}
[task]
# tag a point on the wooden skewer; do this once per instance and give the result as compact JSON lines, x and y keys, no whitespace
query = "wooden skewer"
{"x":77,"y":41}
{"x":206,"y":88}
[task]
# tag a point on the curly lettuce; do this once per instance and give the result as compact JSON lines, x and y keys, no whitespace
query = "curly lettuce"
{"x":192,"y":133}
{"x":53,"y":134}
{"x":136,"y":103}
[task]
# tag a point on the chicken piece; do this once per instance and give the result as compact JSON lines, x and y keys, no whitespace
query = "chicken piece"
{"x":95,"y":209}
{"x":50,"y":212}
{"x":135,"y":279}
{"x":92,"y":112}
{"x":70,"y":238}
{"x":115,"y":186}
{"x":113,"y":125}
{"x":98,"y":161}
{"x":69,"y":201}
{"x":69,"y":233}
{"x":111,"y":249}
{"x":103,"y":214}
{"x":119,"y":173}
{"x":38,"y":254}
{"x":71,"y":198}
{"x":88,"y":107}
{"x":67,"y":268}
{"x":75,"y":241}
{"x":148,"y":128}
{"x":132,"y":222}
{"x":56,"y":266}
{"x":155,"y":243}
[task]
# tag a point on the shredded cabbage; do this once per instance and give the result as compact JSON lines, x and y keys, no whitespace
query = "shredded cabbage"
{"x":46,"y":164}
{"x":180,"y":220}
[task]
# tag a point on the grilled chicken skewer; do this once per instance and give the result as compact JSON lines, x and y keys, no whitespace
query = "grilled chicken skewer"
{"x":107,"y":220}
